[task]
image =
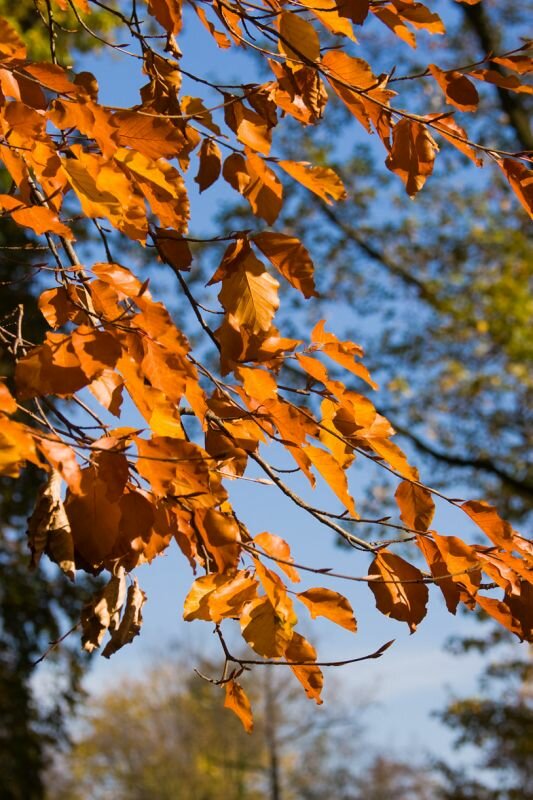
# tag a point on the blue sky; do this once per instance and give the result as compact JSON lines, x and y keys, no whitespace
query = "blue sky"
{"x":416,"y":674}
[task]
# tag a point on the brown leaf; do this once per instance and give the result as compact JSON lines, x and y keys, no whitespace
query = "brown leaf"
{"x":402,"y":601}
{"x":173,"y":249}
{"x":103,"y":611}
{"x":459,"y":91}
{"x":49,"y":529}
{"x":210,"y":164}
{"x":130,"y":624}
{"x":412,"y":154}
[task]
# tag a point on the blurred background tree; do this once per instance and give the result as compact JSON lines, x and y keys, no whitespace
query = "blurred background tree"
{"x":35,"y":608}
{"x":497,"y":723}
{"x":165,"y":736}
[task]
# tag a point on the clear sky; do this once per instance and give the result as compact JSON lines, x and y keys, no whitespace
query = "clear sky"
{"x":415,"y":675}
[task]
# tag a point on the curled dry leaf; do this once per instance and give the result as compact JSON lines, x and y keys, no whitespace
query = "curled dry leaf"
{"x":49,"y":528}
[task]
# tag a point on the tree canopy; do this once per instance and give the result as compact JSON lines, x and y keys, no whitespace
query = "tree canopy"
{"x":193,"y":416}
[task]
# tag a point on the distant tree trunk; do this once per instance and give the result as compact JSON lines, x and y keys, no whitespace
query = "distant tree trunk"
{"x":271,"y":722}
{"x":512,"y":104}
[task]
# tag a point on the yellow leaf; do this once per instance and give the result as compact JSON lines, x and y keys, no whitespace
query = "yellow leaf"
{"x":298,"y":40}
{"x":250,"y":295}
{"x":333,"y":474}
{"x":329,"y":14}
{"x":263,"y":630}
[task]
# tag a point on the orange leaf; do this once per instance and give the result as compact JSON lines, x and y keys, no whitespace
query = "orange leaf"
{"x":333,"y":15}
{"x":249,"y":127}
{"x":41,"y":220}
{"x":173,"y":466}
{"x":278,"y":548}
{"x":290,"y":257}
{"x":412,"y":154}
{"x":63,"y":459}
{"x":298,"y":40}
{"x":237,"y":701}
{"x":450,"y":590}
{"x":461,"y":561}
{"x":263,"y":630}
{"x":167,"y":13}
{"x":416,"y":505}
{"x":256,"y":182}
{"x":11,"y":45}
{"x":250,"y":295}
{"x":521,"y":180}
{"x":329,"y":604}
{"x":333,"y":474}
{"x":459,"y":91}
{"x":399,"y":590}
{"x":309,"y":675}
{"x":487,"y":518}
{"x":323,"y":181}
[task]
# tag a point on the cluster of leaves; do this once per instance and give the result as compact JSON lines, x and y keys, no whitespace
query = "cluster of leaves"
{"x":143,"y":486}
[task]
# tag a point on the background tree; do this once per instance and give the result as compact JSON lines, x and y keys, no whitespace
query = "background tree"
{"x":497,"y":723}
{"x":37,"y":607}
{"x":159,"y":736}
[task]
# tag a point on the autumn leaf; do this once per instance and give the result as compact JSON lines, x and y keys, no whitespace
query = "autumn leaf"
{"x":309,"y":675}
{"x":416,"y":505}
{"x":330,"y":604}
{"x":210,"y":164}
{"x":250,"y":295}
{"x":398,"y":589}
{"x":298,"y":40}
{"x":322,"y":181}
{"x":263,"y":630}
{"x":459,"y":91}
{"x":412,"y":154}
{"x":237,"y":701}
{"x":290,"y":257}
